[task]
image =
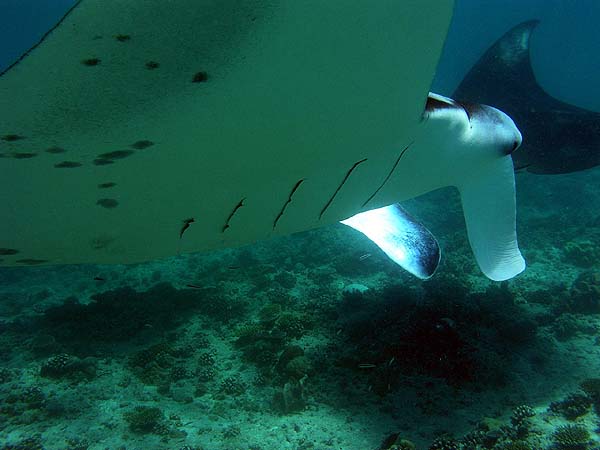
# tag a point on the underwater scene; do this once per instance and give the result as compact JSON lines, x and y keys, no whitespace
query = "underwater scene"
{"x":173,"y":273}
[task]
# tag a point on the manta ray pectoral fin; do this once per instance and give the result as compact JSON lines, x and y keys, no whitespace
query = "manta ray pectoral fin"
{"x":488,"y":201}
{"x":407,"y":242}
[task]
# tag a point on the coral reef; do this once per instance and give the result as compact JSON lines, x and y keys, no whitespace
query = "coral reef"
{"x":32,"y":443}
{"x":582,"y":252}
{"x":444,"y":443}
{"x":160,"y":363}
{"x":520,"y":414}
{"x":568,"y":325}
{"x":584,"y":296}
{"x":147,"y":420}
{"x":119,"y":315}
{"x":571,"y":437}
{"x":591,"y":386}
{"x":396,"y":442}
{"x":573,"y":406}
{"x":233,"y":385}
{"x":68,"y":366}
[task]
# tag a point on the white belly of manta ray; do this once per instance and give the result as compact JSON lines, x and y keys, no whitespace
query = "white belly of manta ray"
{"x":136,"y":130}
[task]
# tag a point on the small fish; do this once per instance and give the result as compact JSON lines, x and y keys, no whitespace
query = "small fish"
{"x":193,"y":286}
{"x":366,"y":366}
{"x":99,"y":279}
{"x":365,"y":256}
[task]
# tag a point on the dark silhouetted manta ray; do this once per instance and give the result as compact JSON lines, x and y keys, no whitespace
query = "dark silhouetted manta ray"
{"x":557,"y":137}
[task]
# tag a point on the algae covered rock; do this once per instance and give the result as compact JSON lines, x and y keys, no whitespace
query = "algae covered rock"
{"x":145,"y":420}
{"x":584,"y":296}
{"x":583,"y":253}
{"x":68,"y":366}
{"x":573,"y":406}
{"x":396,"y":442}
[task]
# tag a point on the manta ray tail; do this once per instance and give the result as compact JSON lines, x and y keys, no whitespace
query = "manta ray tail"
{"x":488,"y":201}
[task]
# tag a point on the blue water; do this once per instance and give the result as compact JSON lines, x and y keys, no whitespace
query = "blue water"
{"x":564,"y":46}
{"x":24,"y":22}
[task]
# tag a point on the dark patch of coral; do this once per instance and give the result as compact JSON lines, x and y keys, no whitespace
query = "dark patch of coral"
{"x":123,"y":314}
{"x":446,"y":332}
{"x":571,"y":437}
{"x":584,"y":296}
{"x":572,"y":406}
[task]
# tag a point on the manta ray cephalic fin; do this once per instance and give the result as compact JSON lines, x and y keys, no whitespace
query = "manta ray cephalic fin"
{"x":490,"y":214}
{"x":408,"y":243}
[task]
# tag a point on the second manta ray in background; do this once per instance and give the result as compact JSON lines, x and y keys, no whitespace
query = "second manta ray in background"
{"x":136,"y":130}
{"x":559,"y":137}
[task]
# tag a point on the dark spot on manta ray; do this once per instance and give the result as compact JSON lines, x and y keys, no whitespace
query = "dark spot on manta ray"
{"x":107,"y":203}
{"x":140,"y":145}
{"x":19,"y":155}
{"x":200,"y":77}
{"x":151,"y":65}
{"x":100,"y":242}
{"x":103,"y":162}
{"x":117,"y":154}
{"x":107,"y":185}
{"x":55,"y":150}
{"x":122,"y":37}
{"x":12,"y":137}
{"x":31,"y":261}
{"x":91,"y":62}
{"x":67,"y":165}
{"x":8,"y":251}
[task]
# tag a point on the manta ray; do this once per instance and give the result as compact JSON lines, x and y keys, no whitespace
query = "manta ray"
{"x":560,"y":138}
{"x":141,"y":129}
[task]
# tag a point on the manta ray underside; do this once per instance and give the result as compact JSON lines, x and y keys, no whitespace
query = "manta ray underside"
{"x":559,"y":137}
{"x":140,"y":129}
